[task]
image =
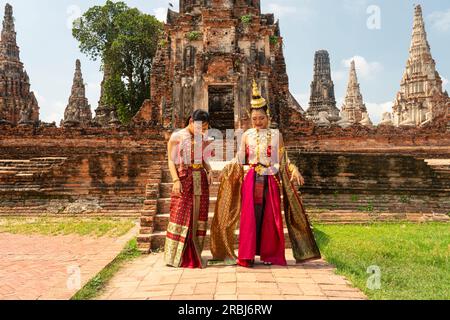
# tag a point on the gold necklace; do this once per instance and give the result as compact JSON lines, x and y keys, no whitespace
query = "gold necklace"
{"x":258,"y":143}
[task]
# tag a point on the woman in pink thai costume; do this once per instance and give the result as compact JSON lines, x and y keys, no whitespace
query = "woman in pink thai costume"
{"x":269,"y":175}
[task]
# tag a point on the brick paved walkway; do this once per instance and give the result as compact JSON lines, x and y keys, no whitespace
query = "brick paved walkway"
{"x":148,"y":278}
{"x":46,"y":267}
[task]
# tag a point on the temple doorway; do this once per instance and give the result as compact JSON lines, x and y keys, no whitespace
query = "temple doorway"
{"x":221,"y":107}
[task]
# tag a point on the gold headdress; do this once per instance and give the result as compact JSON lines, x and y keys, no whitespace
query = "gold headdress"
{"x":258,"y":102}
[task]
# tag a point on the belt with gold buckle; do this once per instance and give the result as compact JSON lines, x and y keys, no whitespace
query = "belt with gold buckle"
{"x":197,"y":166}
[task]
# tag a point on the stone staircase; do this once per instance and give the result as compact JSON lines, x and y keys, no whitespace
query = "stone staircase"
{"x":441,"y":166}
{"x":24,"y":172}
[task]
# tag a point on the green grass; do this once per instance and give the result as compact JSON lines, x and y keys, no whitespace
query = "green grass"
{"x":97,"y":227}
{"x":414,"y":258}
{"x":95,"y":286}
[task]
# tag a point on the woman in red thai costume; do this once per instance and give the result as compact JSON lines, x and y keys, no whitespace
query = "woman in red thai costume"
{"x":191,"y":174}
{"x":269,"y":175}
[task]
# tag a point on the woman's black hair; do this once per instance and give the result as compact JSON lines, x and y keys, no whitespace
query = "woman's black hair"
{"x":199,"y":115}
{"x":265,"y":108}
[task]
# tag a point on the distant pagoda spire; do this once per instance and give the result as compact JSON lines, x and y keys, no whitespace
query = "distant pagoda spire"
{"x":78,"y":111}
{"x":322,"y":89}
{"x":18,"y":105}
{"x":9,"y":49}
{"x":419,"y":42}
{"x":105,"y":114}
{"x":421,"y":98}
{"x":354,"y":106}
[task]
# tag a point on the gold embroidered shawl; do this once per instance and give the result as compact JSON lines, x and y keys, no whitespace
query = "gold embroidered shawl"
{"x":227,"y":213}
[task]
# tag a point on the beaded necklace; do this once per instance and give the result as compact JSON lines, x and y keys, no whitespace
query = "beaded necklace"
{"x":258,"y":143}
{"x":260,"y":170}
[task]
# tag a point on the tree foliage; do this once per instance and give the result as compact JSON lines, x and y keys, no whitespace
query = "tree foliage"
{"x":125,"y":40}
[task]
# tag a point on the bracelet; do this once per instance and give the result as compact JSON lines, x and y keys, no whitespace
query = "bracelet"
{"x":176,"y":180}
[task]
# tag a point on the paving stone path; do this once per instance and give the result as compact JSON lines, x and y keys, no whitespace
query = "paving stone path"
{"x":48,"y":267}
{"x":147,"y":278}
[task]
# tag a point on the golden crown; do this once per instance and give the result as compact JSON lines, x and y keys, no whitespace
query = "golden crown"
{"x":258,"y":102}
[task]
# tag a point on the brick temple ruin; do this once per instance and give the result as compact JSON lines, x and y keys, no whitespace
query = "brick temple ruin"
{"x":354,"y":108}
{"x":322,"y":89}
{"x":78,"y":111}
{"x":421,"y":97}
{"x":209,"y":55}
{"x":18,"y":105}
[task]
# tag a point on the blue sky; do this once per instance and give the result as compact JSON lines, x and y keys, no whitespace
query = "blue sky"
{"x":346,"y":28}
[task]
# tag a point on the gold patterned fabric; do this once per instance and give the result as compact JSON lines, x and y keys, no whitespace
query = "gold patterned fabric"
{"x":188,"y":215}
{"x":304,"y":245}
{"x":227,"y":213}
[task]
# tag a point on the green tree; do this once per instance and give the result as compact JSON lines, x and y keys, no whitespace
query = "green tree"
{"x":125,"y":40}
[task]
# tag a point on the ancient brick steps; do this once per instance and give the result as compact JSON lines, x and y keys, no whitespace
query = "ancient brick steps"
{"x":24,"y":171}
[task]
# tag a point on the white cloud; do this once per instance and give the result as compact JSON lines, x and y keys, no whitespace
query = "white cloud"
{"x":160,"y":14}
{"x":376,"y":110}
{"x":440,"y":20}
{"x":53,"y":112}
{"x":364,"y":68}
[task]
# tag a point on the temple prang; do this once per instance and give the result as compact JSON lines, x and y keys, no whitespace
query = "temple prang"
{"x":421,"y":99}
{"x":354,"y":107}
{"x":18,"y":105}
{"x":209,"y":55}
{"x":105,"y":114}
{"x":78,"y":111}
{"x":322,"y":91}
